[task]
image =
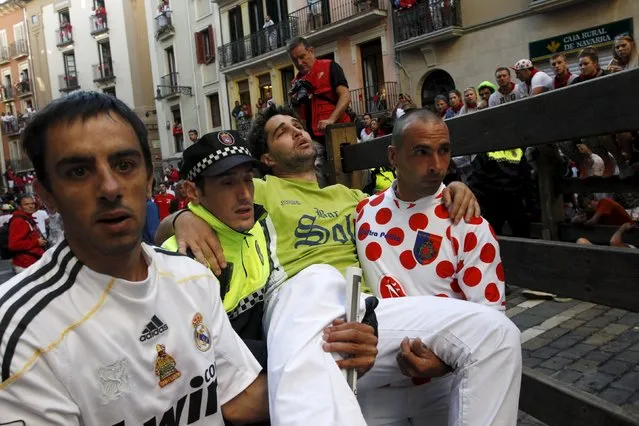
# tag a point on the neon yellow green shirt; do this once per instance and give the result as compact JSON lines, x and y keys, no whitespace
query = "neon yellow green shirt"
{"x":307,"y":225}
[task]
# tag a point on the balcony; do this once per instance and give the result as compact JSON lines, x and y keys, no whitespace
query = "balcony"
{"x":13,"y":126}
{"x":7,"y":93}
{"x":20,"y":165}
{"x":169,"y":87}
{"x":376,"y":98}
{"x":4,"y":55}
{"x":103,"y":73}
{"x":98,"y":22}
{"x":428,"y":21}
{"x":164,"y":26}
{"x":18,"y":49}
{"x":322,"y":22}
{"x":64,"y":36}
{"x":24,"y":88}
{"x":68,"y":82}
{"x":548,"y":5}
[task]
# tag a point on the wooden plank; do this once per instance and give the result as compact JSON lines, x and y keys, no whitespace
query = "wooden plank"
{"x":552,"y":203}
{"x":559,"y":404}
{"x":598,"y":234}
{"x":602,"y":275}
{"x":599,"y":184}
{"x":551,"y":117}
{"x":366,"y":155}
{"x":337,"y":136}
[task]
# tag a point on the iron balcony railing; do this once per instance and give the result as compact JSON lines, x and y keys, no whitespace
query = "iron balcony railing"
{"x":103,"y":72}
{"x":168,"y":85}
{"x":258,"y":43}
{"x":163,"y":25}
{"x":7,"y":92}
{"x":318,"y":14}
{"x":20,"y":165}
{"x":98,"y":22}
{"x":64,"y":35}
{"x":426,"y":17}
{"x":18,"y":48}
{"x":374,"y":98}
{"x":68,"y":82}
{"x":24,"y":87}
{"x":4,"y":54}
{"x":15,"y":126}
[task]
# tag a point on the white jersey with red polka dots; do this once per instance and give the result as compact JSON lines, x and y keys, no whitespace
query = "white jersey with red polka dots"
{"x":413,"y":249}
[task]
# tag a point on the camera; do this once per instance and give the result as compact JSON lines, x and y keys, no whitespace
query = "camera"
{"x":301,"y":88}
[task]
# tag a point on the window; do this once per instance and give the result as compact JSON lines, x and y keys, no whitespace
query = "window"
{"x":288,"y":74}
{"x":18,"y":32}
{"x":178,"y":134}
{"x":106,"y":64}
{"x":214,"y":104}
{"x":170,"y":59}
{"x":110,"y":91}
{"x":64,"y":18}
{"x":204,"y":46}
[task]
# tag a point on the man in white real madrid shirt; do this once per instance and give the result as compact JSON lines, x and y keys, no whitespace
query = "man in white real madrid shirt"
{"x":104,"y":330}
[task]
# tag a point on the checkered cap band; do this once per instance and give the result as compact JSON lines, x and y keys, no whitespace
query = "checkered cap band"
{"x":207,"y":161}
{"x":247,"y":303}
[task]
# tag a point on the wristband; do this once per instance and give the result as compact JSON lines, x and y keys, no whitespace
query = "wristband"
{"x":176,"y":216}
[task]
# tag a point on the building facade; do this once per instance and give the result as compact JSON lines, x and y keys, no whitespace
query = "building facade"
{"x":356,"y":34}
{"x":445,"y":44}
{"x":186,"y":77}
{"x":17,"y":99}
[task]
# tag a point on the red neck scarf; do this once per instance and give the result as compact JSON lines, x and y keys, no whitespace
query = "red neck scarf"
{"x":368,"y":130}
{"x":562,"y":80}
{"x":471,"y":106}
{"x":443,"y":113}
{"x":511,"y":87}
{"x":533,"y":71}
{"x":457,"y":109}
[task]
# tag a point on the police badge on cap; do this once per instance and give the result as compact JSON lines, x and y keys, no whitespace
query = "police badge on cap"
{"x":226,"y":138}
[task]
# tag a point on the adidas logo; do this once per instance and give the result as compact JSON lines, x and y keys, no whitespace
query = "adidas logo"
{"x":154,"y":328}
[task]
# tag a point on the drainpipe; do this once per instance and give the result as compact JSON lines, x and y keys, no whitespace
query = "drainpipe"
{"x":194,"y":62}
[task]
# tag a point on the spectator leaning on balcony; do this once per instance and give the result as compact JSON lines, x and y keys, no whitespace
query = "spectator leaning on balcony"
{"x":625,"y":55}
{"x":272,"y":32}
{"x":589,"y":66}
{"x":456,"y":104}
{"x":533,"y":81}
{"x":563,"y":76}
{"x":485,"y":89}
{"x":470,"y":101}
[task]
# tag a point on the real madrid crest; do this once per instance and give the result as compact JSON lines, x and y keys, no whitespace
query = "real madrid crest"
{"x":165,"y":367}
{"x":226,"y":138}
{"x":201,"y":334}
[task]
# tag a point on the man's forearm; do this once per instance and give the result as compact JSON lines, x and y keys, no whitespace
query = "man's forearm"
{"x":250,"y":406}
{"x":165,"y":229}
{"x":342,"y":103}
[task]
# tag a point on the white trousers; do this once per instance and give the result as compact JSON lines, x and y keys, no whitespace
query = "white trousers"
{"x":307,"y":388}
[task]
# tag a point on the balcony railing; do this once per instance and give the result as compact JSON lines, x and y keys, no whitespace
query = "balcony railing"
{"x":20,"y":165}
{"x":258,"y":43}
{"x":103,"y":72}
{"x":168,"y":86}
{"x":64,"y":35}
{"x":319,"y":14}
{"x":7,"y":92}
{"x":14,"y":126}
{"x":164,"y":26}
{"x":382,"y":97}
{"x":4,"y":54}
{"x":18,"y":48}
{"x":99,"y":22}
{"x":24,"y":88}
{"x":426,"y":17}
{"x":68,"y":82}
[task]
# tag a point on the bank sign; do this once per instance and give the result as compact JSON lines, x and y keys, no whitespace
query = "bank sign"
{"x":601,"y":35}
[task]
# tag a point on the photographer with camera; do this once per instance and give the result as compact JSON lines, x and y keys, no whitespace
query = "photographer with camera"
{"x":319,"y":92}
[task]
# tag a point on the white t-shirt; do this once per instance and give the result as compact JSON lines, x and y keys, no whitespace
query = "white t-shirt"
{"x":363,"y":137}
{"x":81,"y":347}
{"x":413,"y":249}
{"x":499,"y":98}
{"x":41,"y":217}
{"x":540,"y":79}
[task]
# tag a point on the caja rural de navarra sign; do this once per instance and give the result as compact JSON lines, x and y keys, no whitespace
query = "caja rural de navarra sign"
{"x":598,"y":36}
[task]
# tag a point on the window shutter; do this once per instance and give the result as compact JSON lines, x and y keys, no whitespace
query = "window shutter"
{"x":199,"y":48}
{"x":212,"y":42}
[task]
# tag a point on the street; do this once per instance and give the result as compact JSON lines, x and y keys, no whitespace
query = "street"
{"x":592,"y":347}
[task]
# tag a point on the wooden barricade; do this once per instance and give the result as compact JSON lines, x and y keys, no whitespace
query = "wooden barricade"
{"x":602,"y":275}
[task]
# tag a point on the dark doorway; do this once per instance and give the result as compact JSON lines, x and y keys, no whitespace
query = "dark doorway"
{"x":237,"y":34}
{"x":288,"y":74}
{"x":437,"y":82}
{"x":372,"y":75}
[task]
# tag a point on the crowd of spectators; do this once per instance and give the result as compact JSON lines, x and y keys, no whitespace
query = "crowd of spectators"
{"x":505,"y":181}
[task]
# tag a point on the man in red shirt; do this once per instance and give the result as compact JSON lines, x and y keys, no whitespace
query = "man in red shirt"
{"x":607,"y":212}
{"x":181,"y":200}
{"x":163,"y":201}
{"x":25,"y":240}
